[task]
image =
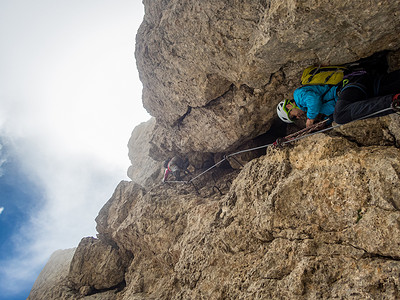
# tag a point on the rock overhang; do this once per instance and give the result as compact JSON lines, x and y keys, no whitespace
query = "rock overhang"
{"x":213,"y":72}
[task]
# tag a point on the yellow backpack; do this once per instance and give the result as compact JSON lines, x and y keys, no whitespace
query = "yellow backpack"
{"x":331,"y":75}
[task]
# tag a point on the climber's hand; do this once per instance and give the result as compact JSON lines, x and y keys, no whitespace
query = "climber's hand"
{"x":309,"y":122}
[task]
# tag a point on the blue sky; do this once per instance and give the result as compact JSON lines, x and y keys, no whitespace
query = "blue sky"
{"x":19,"y":199}
{"x":19,"y":195}
{"x":70,"y":97}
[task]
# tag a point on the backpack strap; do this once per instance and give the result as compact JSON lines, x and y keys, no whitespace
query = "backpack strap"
{"x":329,"y":77}
{"x":324,"y":94}
{"x":313,"y":74}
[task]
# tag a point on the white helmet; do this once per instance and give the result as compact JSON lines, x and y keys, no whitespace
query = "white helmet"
{"x":282,"y":112}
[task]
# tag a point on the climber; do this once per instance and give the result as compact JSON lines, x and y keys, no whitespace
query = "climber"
{"x":353,"y":98}
{"x":360,"y":96}
{"x":176,"y":165}
{"x":309,"y":101}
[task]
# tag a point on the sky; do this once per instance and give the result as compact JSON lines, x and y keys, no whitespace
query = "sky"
{"x":70,"y":97}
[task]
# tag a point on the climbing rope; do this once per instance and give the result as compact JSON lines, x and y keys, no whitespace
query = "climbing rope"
{"x":299,"y":135}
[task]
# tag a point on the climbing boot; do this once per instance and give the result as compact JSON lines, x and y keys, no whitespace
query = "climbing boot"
{"x":396,"y":103}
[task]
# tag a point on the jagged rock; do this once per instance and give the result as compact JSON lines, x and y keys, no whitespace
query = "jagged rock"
{"x":96,"y":265}
{"x":374,"y":131}
{"x":144,"y":170}
{"x":107,"y":295}
{"x":52,"y":280}
{"x":317,"y":219}
{"x":118,"y":208}
{"x":314,"y":220}
{"x":213,"y":71}
{"x":219,"y":127}
{"x":141,"y":228}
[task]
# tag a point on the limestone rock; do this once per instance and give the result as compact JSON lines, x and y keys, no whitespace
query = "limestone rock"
{"x":144,"y":170}
{"x":218,"y":68}
{"x":118,"y":208}
{"x":394,"y":128}
{"x":373,"y":131}
{"x":96,"y":265}
{"x":318,"y":219}
{"x":107,"y":295}
{"x":52,"y":280}
{"x":291,"y":227}
{"x":147,"y":225}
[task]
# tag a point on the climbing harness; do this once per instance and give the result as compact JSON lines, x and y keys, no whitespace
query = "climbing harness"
{"x":304,"y":133}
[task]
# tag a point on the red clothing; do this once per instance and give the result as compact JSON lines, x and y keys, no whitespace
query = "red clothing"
{"x":166,"y":173}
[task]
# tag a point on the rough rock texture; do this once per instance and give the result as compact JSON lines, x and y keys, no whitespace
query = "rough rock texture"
{"x":318,"y":219}
{"x":374,"y":131}
{"x":144,"y":170}
{"x":52,"y":280}
{"x":218,"y":68}
{"x":96,"y":266}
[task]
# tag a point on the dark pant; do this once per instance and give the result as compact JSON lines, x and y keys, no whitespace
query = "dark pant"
{"x":366,"y":94}
{"x":177,"y":165}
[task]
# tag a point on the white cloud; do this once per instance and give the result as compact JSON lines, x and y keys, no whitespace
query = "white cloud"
{"x":70,"y":98}
{"x":1,"y":210}
{"x":3,"y":160}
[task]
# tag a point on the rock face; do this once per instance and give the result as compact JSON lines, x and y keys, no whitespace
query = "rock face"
{"x":317,"y":219}
{"x":52,"y":280}
{"x":96,"y":266}
{"x":144,"y":170}
{"x":218,"y":68}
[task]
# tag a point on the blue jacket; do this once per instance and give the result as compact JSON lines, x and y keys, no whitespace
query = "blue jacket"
{"x":308,"y":99}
